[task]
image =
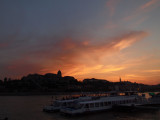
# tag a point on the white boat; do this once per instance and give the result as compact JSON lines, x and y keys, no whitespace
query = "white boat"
{"x":101,"y":104}
{"x":58,"y":104}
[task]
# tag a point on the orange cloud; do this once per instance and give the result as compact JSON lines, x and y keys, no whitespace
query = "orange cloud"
{"x":114,"y":44}
{"x":148,"y":4}
{"x":77,"y":58}
{"x":142,"y":9}
{"x":141,"y":70}
{"x":85,"y":70}
{"x":73,"y":57}
{"x":128,"y":39}
{"x":111,"y":69}
{"x":152,"y":71}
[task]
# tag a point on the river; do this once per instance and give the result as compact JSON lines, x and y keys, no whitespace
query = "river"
{"x":30,"y":108}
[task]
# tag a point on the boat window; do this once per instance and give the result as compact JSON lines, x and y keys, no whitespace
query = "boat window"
{"x":126,"y":101}
{"x":64,"y":104}
{"x":70,"y":104}
{"x":77,"y":106}
{"x":123,"y":102}
{"x":87,"y":106}
{"x":91,"y":105}
{"x":109,"y":103}
{"x":96,"y":104}
{"x":113,"y":102}
{"x":117,"y":102}
{"x":101,"y":104}
{"x":57,"y":104}
{"x":105,"y":103}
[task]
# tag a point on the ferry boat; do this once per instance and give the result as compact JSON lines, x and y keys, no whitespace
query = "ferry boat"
{"x":58,"y":104}
{"x":103,"y":103}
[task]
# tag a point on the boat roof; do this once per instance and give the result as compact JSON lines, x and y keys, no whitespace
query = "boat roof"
{"x":109,"y":99}
{"x":72,"y":100}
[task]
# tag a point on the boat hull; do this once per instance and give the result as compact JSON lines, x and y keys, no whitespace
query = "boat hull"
{"x":68,"y":112}
{"x":51,"y":109}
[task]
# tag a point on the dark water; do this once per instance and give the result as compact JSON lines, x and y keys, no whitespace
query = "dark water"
{"x":30,"y":108}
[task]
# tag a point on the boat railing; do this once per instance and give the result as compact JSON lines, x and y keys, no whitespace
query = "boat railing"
{"x":147,"y":101}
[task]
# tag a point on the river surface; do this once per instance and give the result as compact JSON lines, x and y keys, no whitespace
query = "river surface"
{"x":30,"y":108}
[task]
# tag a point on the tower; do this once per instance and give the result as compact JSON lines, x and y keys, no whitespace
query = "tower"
{"x":59,"y":74}
{"x":120,"y":80}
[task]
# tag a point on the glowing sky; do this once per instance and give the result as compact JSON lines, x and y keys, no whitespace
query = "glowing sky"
{"x":102,"y":39}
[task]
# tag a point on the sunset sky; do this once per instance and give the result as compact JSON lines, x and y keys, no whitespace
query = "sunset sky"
{"x":104,"y":39}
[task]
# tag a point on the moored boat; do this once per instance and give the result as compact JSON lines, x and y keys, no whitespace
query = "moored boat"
{"x":101,"y":104}
{"x":58,"y":104}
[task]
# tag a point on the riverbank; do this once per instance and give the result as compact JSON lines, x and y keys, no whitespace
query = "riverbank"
{"x":38,"y":93}
{"x":53,"y":93}
{"x":46,"y":93}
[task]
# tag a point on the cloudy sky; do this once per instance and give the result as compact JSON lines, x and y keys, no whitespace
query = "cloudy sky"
{"x":104,"y":39}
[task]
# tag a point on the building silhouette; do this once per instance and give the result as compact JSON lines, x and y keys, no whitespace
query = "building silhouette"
{"x":59,"y":74}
